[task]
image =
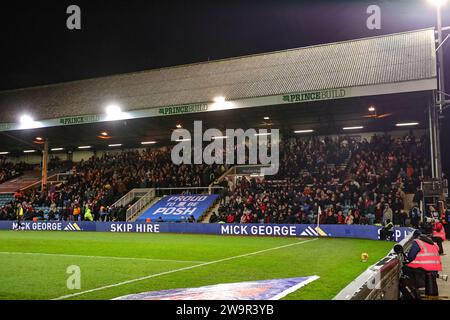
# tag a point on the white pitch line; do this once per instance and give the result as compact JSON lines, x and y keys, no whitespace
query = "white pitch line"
{"x":99,"y":257}
{"x":178,"y":270}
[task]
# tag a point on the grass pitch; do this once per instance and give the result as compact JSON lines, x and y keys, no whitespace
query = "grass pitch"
{"x":33,"y":264}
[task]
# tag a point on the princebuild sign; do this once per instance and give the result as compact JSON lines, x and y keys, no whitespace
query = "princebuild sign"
{"x":314,"y":95}
{"x":235,"y":229}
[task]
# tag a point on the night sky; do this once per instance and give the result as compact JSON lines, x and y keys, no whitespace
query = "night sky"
{"x":126,"y":36}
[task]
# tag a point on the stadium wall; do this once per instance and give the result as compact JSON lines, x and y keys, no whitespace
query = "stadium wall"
{"x":281,"y":230}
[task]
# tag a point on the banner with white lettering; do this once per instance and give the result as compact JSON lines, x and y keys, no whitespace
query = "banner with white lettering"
{"x":179,"y":207}
{"x":48,"y":225}
{"x":226,"y":229}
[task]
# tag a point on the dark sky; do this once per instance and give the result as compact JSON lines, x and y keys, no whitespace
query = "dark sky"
{"x":130,"y":35}
{"x":124,"y":36}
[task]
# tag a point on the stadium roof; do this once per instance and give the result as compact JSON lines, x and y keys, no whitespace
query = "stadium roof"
{"x":395,"y":63}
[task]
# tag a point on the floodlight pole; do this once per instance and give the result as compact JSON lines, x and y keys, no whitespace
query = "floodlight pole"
{"x":441,"y":95}
{"x":438,"y":103}
{"x":44,"y":166}
{"x":440,"y":56}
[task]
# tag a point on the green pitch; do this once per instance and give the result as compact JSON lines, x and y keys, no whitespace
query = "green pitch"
{"x":33,"y":264}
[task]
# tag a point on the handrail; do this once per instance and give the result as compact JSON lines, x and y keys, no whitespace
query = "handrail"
{"x":192,"y":188}
{"x":140,"y":204}
{"x":37,"y":183}
{"x":225,"y":174}
{"x":130,"y":196}
{"x":125,"y":199}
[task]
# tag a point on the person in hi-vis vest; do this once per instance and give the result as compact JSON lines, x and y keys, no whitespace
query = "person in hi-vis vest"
{"x":19,"y":216}
{"x":87,"y":214}
{"x":422,"y":256}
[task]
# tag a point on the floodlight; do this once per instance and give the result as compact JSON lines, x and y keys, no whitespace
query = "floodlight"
{"x":438,"y":3}
{"x":304,"y":131}
{"x":406,"y":124}
{"x":353,"y":128}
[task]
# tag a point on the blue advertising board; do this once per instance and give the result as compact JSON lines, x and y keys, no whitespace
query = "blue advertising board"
{"x":179,"y":207}
{"x":50,"y":225}
{"x":234,"y":229}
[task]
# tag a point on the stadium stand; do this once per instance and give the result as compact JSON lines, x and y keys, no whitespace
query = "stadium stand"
{"x":9,"y":170}
{"x":101,"y":181}
{"x":352,"y":181}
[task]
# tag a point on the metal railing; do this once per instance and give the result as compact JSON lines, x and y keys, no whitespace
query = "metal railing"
{"x":131,"y":195}
{"x":140,"y":204}
{"x":228,"y":172}
{"x":60,"y":176}
{"x":188,"y":190}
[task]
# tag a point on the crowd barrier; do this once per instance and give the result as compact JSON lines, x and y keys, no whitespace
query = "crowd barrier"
{"x":380,"y":281}
{"x":282,"y":230}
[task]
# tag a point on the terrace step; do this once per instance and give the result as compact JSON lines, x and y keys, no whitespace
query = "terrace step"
{"x":208,"y":214}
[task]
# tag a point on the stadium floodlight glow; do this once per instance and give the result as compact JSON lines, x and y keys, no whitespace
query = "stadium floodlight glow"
{"x":27,"y":122}
{"x":26,"y":119}
{"x":104,"y":133}
{"x":113,"y":109}
{"x":353,"y":128}
{"x":263,"y":134}
{"x":115,"y":145}
{"x":4,"y":152}
{"x":220,"y":104}
{"x":437,"y":3}
{"x":266,"y":118}
{"x":29,"y":151}
{"x":406,"y":124}
{"x":57,"y":149}
{"x":219,"y":99}
{"x":178,"y":126}
{"x":84,"y":147}
{"x":371,"y":109}
{"x":39,"y":138}
{"x":114,"y":112}
{"x":148,"y":142}
{"x":304,"y":131}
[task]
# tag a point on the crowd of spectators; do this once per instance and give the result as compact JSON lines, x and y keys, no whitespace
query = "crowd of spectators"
{"x":369,"y":189}
{"x":352,"y":181}
{"x":9,"y":170}
{"x":309,"y":160}
{"x":99,"y":182}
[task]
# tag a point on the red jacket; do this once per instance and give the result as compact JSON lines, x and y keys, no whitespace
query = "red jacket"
{"x":438,"y":231}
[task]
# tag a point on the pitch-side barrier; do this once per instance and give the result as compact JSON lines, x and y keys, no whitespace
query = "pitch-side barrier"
{"x":380,"y":281}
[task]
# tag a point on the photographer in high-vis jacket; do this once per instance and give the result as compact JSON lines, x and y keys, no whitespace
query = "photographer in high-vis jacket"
{"x":423,"y":257}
